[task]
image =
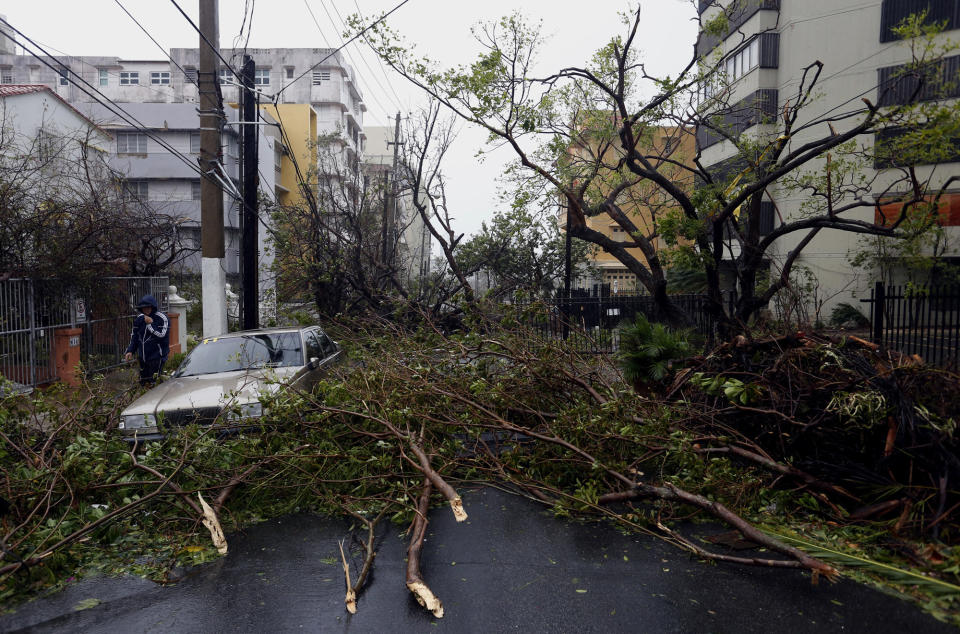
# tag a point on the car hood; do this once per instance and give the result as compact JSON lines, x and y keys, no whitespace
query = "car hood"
{"x":211,"y":390}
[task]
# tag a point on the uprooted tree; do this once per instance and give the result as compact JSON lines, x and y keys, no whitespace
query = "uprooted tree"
{"x":598,"y":140}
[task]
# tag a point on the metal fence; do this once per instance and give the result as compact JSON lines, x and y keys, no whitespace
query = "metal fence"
{"x":918,"y":320}
{"x":591,"y":321}
{"x":31,"y":311}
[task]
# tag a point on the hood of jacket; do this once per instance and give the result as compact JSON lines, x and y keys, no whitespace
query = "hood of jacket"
{"x":148,"y":300}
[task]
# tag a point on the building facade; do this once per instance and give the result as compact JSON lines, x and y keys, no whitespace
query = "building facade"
{"x":763,"y":56}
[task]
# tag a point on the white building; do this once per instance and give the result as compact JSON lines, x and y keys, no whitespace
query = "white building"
{"x":768,"y":45}
{"x":411,"y":233}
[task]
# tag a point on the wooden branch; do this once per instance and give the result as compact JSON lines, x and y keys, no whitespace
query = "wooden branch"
{"x":418,"y":531}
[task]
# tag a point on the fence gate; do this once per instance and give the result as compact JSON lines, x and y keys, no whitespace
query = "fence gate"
{"x":31,"y":311}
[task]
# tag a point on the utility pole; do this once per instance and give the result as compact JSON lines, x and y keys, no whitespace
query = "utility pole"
{"x":249,"y":271}
{"x":392,"y":217}
{"x":213,"y":270}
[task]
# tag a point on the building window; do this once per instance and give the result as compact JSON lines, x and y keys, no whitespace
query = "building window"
{"x":190,"y":74}
{"x":138,"y":190}
{"x":226,"y":77}
{"x":289,"y":72}
{"x":64,"y":74}
{"x":893,"y":12}
{"x":6,"y":76}
{"x":131,"y":143}
{"x":743,"y":61}
{"x":195,"y":143}
{"x":261,"y":77}
{"x":48,"y":145}
{"x":102,"y":74}
{"x":130,"y":78}
{"x":195,"y":190}
{"x":320,"y":76}
{"x":161,"y":78}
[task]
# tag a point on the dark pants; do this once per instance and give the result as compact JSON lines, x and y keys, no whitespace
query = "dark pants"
{"x":150,"y":371}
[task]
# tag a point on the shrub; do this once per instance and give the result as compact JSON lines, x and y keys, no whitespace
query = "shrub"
{"x":844,"y":312}
{"x":648,"y":350}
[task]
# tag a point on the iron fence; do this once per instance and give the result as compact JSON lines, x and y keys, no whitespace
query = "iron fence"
{"x":917,"y":320}
{"x":591,"y":321}
{"x":31,"y":311}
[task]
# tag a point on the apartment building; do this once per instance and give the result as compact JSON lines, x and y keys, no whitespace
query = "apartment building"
{"x":767,"y":46}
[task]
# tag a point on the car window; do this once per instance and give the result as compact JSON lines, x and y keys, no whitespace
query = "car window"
{"x":229,"y":354}
{"x":313,"y":346}
{"x":327,"y":343}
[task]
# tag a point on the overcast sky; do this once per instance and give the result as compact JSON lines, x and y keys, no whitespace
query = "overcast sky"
{"x":439,"y":28}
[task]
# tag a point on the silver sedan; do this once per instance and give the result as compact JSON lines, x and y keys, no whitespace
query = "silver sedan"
{"x":223,"y":380}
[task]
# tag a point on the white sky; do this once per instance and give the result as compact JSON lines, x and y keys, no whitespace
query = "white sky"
{"x":439,"y":28}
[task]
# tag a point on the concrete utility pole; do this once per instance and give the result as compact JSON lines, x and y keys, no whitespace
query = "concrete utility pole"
{"x":249,"y":271}
{"x":213,"y":269}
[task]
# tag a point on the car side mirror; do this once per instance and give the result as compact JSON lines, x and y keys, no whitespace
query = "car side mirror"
{"x":314,"y":363}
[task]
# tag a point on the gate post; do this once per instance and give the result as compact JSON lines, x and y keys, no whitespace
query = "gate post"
{"x":878,"y":309}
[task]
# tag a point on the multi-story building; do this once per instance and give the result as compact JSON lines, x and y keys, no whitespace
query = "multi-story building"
{"x":318,"y":95}
{"x":763,"y":56}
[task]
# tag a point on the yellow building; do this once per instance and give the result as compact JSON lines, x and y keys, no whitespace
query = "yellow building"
{"x":642,"y":202}
{"x":299,"y":121}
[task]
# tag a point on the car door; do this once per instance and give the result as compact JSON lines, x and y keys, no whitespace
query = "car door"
{"x":314,"y":360}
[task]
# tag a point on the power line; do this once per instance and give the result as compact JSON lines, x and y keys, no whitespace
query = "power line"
{"x":347,"y":51}
{"x":383,"y":70}
{"x":215,"y":49}
{"x":337,"y":50}
{"x":117,"y":110}
{"x":163,"y":50}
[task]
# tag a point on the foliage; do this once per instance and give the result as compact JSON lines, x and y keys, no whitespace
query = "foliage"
{"x":649,"y":351}
{"x":612,"y":143}
{"x":494,"y":403}
{"x":844,"y":312}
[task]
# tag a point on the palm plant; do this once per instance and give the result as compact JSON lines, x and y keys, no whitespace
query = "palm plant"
{"x":648,"y":351}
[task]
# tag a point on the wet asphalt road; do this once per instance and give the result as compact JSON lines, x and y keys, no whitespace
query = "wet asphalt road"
{"x":510,"y":568}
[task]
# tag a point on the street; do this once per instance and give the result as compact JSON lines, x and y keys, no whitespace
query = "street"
{"x":511,"y":567}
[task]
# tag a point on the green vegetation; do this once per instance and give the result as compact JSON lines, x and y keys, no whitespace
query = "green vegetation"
{"x":83,"y":502}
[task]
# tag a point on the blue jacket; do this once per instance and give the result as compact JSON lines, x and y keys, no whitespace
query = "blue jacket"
{"x":150,"y":341}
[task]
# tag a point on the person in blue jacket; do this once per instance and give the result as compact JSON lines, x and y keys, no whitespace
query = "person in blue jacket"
{"x":150,"y":340}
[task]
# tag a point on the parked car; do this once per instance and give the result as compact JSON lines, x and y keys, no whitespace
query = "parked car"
{"x":223,"y":379}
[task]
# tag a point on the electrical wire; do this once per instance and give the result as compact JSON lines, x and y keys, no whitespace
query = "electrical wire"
{"x":213,"y":48}
{"x":163,"y":50}
{"x":117,"y":110}
{"x":327,"y":42}
{"x":376,"y":55}
{"x":373,"y":75}
{"x":335,"y":51}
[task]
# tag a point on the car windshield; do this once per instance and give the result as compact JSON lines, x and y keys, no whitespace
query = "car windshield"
{"x":229,"y":354}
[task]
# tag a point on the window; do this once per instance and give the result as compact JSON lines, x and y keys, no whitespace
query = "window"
{"x":314,"y":350}
{"x":320,"y":76}
{"x":195,"y":143}
{"x":6,"y":76}
{"x":131,"y":143}
{"x":261,"y":77}
{"x":64,"y":73}
{"x":161,"y":78}
{"x":104,"y":79}
{"x":226,"y":77}
{"x":195,"y":190}
{"x":743,"y":61}
{"x":130,"y":78}
{"x":892,"y":12}
{"x":47,"y":146}
{"x":289,"y":72}
{"x":137,"y":189}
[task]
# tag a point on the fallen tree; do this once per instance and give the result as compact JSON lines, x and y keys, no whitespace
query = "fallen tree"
{"x":416,"y":416}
